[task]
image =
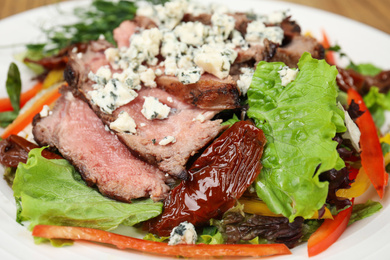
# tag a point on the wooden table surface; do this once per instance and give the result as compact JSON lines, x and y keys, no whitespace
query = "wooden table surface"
{"x":375,"y":13}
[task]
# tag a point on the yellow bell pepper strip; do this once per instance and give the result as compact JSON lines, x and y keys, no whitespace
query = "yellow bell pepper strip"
{"x":125,"y":242}
{"x":258,"y":207}
{"x":5,"y":103}
{"x":361,"y":185}
{"x":328,"y":232}
{"x":371,"y":155}
{"x":53,"y":77}
{"x":26,"y":118}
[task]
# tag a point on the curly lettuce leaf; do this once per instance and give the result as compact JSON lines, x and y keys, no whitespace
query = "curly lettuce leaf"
{"x":299,"y":121}
{"x":378,"y":104}
{"x":51,"y":192}
{"x":367,"y":69}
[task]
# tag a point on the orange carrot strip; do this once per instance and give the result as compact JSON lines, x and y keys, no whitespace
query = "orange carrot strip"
{"x":26,"y":118}
{"x":5,"y":103}
{"x":125,"y":242}
{"x":329,"y":55}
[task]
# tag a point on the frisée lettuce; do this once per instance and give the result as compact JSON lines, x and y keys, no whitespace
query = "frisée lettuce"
{"x":51,"y":192}
{"x":299,"y":121}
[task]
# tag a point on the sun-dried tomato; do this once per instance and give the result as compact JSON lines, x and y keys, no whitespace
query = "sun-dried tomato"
{"x":216,"y":179}
{"x":14,"y":149}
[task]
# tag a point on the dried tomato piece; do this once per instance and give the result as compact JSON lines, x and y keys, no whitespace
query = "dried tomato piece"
{"x":216,"y":179}
{"x":14,"y":149}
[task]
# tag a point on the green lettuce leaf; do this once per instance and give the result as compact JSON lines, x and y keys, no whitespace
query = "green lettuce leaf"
{"x":367,"y":69}
{"x":377,"y":103}
{"x":299,"y":121}
{"x":51,"y":192}
{"x":211,"y":236}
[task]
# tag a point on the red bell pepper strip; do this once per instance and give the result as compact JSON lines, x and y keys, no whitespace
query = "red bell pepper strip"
{"x":371,"y":155}
{"x":125,"y":242}
{"x":328,"y":232}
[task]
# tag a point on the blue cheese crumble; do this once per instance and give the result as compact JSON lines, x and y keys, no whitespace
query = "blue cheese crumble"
{"x":216,"y":61}
{"x":167,"y":140}
{"x":287,"y":75}
{"x":184,"y":233}
{"x":154,"y":109}
{"x":245,"y":80}
{"x":256,"y":32}
{"x":111,"y":96}
{"x":189,"y":76}
{"x":124,"y":124}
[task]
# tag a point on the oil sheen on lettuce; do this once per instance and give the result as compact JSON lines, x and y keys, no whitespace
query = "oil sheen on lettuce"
{"x":299,"y":121}
{"x":51,"y":192}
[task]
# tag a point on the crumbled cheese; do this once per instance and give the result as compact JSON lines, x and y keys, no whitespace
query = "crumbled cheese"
{"x":170,"y":66}
{"x":191,"y":33}
{"x":184,"y":233}
{"x":276,"y":17}
{"x":223,"y":24}
{"x":185,"y":62}
{"x":124,"y":123}
{"x":102,"y":76}
{"x":215,"y":61}
{"x":257,"y":31}
{"x":129,"y":78}
{"x":111,"y":96}
{"x":147,"y":77}
{"x":189,"y":76}
{"x":171,"y":13}
{"x":167,"y":140}
{"x":239,"y":41}
{"x":45,"y":111}
{"x":287,"y":75}
{"x":154,"y":109}
{"x":245,"y":80}
{"x":144,"y":46}
{"x":158,"y":72}
{"x":142,"y":124}
{"x":201,"y":118}
{"x":112,"y":54}
{"x":169,"y":99}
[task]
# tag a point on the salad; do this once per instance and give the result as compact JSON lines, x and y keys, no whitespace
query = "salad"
{"x":276,"y":195}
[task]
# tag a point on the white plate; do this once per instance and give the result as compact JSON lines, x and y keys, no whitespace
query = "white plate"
{"x":366,"y":239}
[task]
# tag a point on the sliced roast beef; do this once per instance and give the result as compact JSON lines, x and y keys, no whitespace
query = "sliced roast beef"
{"x":209,"y":92}
{"x":256,"y":53}
{"x":103,"y":161}
{"x":191,"y":127}
{"x":290,"y":28}
{"x":292,"y":52}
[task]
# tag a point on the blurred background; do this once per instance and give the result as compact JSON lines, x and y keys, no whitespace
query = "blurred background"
{"x":375,"y":13}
